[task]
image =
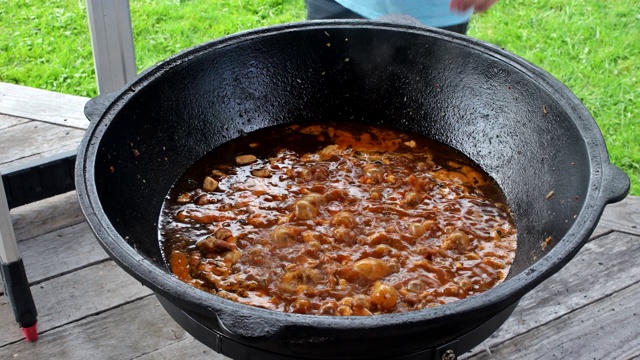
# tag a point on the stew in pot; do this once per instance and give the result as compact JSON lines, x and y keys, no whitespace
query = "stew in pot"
{"x":337,"y":219}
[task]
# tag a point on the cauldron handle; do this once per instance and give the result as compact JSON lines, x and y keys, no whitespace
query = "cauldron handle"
{"x":248,"y":326}
{"x":97,"y":106}
{"x":615,"y":184}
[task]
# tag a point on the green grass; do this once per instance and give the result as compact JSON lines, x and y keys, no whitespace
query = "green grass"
{"x":46,"y":44}
{"x":592,"y":46}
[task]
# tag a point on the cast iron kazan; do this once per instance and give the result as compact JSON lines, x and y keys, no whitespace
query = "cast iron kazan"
{"x":516,"y":121}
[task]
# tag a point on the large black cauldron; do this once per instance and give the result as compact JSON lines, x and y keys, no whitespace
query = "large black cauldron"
{"x":520,"y":124}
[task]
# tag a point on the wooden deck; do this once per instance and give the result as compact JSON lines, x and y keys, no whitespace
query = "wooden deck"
{"x":91,"y":309}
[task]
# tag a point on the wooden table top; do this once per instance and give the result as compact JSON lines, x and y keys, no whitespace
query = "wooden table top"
{"x":89,"y":308}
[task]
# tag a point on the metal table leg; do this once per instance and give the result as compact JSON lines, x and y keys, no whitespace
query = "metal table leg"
{"x":16,"y":285}
{"x":27,"y":183}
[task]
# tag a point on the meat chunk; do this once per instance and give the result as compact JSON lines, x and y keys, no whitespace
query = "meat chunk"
{"x":384,"y":296}
{"x":344,"y":219}
{"x":371,"y":268}
{"x":283,"y":235}
{"x":304,"y":210}
{"x":262,"y":173}
{"x":456,"y":240}
{"x":209,"y":184}
{"x":245,"y":159}
{"x":213,"y":244}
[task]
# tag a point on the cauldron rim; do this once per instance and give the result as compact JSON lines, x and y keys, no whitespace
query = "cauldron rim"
{"x":206,"y":304}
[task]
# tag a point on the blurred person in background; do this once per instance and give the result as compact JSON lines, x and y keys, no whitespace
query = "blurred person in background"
{"x":452,"y":15}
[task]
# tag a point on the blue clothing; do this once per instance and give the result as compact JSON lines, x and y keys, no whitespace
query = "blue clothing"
{"x":429,"y":12}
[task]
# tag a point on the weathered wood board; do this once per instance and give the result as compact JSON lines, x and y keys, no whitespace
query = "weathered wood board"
{"x":60,"y":252}
{"x":602,"y":261}
{"x":189,"y":348}
{"x":623,"y":216}
{"x":127,"y":332}
{"x":607,"y":329}
{"x":72,"y":297}
{"x":34,"y":140}
{"x":43,"y":105}
{"x":7,"y":121}
{"x":46,"y":216}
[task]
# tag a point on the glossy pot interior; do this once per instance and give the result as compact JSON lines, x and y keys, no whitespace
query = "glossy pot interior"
{"x":517,"y":122}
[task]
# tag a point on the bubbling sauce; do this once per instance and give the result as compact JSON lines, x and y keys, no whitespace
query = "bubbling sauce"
{"x":337,"y":219}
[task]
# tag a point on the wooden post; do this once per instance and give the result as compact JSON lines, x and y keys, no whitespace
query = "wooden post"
{"x":112,"y":43}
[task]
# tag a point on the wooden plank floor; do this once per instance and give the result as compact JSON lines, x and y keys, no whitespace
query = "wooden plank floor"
{"x":91,"y":309}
